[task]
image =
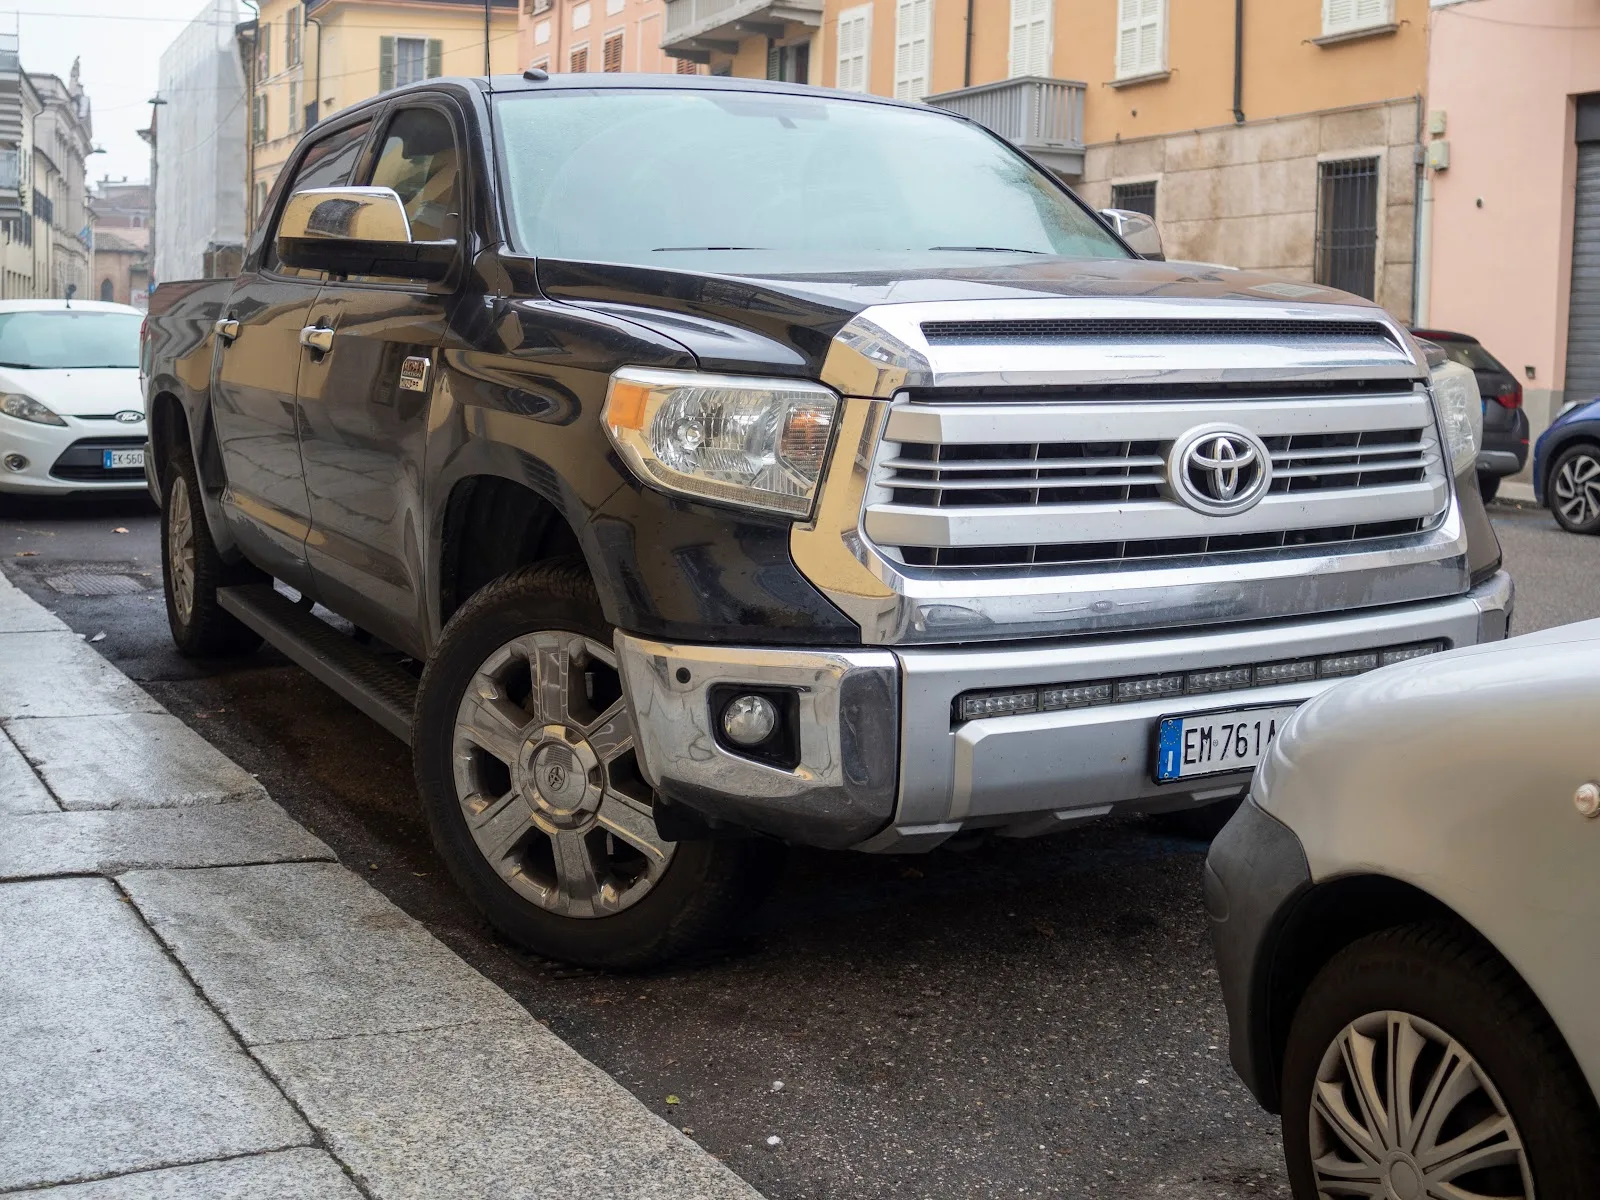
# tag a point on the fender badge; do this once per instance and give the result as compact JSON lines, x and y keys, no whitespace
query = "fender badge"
{"x":414,"y":374}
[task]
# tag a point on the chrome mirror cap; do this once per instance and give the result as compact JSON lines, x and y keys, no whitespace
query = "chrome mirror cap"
{"x":1139,"y":231}
{"x":358,"y":214}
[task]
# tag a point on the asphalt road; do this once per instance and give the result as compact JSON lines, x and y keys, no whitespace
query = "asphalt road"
{"x":1022,"y":1019}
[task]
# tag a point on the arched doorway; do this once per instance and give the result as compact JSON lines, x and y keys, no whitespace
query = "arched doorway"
{"x":108,"y":290}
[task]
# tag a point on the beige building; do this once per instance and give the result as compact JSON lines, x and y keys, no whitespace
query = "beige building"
{"x":596,"y":35}
{"x":1289,"y":147}
{"x":309,"y":58}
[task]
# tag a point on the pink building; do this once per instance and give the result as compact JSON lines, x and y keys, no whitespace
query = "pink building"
{"x":1514,"y":175}
{"x":595,"y":35}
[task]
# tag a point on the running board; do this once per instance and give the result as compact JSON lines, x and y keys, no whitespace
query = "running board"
{"x":378,"y":687}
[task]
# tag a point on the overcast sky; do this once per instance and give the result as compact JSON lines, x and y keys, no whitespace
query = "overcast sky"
{"x":120,"y":44}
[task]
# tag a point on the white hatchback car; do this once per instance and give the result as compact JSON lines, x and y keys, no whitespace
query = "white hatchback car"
{"x":71,"y":405}
{"x":1404,"y":914}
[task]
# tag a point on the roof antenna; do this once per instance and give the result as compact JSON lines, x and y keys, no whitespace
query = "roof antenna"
{"x":536,"y":74}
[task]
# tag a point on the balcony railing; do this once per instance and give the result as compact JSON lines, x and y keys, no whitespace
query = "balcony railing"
{"x":1041,"y":116}
{"x":693,"y":23}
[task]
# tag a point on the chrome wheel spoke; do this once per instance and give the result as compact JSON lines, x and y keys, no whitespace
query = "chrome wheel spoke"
{"x":551,"y":664}
{"x":1349,"y":1127}
{"x":493,"y":723}
{"x":576,"y":875}
{"x":1492,"y":1142}
{"x":634,"y":823}
{"x":500,"y":829}
{"x":1360,"y":1058}
{"x":612,"y":735}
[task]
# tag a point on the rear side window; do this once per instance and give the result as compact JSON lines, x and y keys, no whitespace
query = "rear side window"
{"x":328,"y":163}
{"x":1470,"y":354}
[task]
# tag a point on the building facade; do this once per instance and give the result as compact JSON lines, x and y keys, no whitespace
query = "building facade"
{"x":121,"y":270}
{"x":197,"y":133}
{"x":309,"y":58}
{"x":1285,"y":143}
{"x":63,"y":236}
{"x":1513,"y":191}
{"x":596,"y":35}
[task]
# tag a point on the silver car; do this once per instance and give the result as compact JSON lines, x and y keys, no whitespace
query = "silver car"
{"x":1405,"y":919}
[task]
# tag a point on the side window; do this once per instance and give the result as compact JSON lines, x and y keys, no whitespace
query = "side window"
{"x":419,"y":160}
{"x":328,"y":163}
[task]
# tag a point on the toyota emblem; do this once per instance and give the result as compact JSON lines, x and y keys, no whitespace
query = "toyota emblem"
{"x":1219,"y":470}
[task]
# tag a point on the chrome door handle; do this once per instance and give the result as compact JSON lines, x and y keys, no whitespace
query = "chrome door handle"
{"x":227,"y":329}
{"x":317,"y":337}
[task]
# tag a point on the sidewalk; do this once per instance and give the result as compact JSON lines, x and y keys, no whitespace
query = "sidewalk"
{"x":197,"y":1001}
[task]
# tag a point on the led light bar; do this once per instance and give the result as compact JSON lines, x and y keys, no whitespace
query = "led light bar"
{"x":1012,"y":702}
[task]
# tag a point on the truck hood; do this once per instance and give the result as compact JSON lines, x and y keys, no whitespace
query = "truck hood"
{"x":783,"y":323}
{"x":78,"y":391}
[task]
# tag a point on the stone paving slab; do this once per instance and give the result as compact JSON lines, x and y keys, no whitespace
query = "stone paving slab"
{"x":214,"y":835}
{"x":310,"y":950}
{"x":112,"y":1062}
{"x":20,"y":789}
{"x":138,"y":760}
{"x":19,"y":613}
{"x":282,"y":1175}
{"x":503,"y":1109}
{"x":57,"y":675}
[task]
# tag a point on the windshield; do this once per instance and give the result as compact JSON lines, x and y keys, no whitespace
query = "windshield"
{"x":758,"y":182}
{"x":64,"y":337}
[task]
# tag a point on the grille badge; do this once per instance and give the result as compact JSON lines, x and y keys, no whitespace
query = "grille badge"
{"x":1219,"y":470}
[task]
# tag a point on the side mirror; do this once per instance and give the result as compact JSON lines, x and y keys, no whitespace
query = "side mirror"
{"x":1138,"y":230}
{"x":358,"y":231}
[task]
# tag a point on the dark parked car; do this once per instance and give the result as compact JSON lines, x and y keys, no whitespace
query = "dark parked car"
{"x":1505,"y":425}
{"x":1566,"y":468}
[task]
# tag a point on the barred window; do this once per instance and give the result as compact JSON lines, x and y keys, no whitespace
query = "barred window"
{"x":1347,"y":225}
{"x":1135,"y":197}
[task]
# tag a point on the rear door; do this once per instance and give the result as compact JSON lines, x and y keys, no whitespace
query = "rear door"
{"x":255,"y":373}
{"x":364,"y":402}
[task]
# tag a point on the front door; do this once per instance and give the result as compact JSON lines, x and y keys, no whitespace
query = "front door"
{"x":364,"y":401}
{"x":255,"y":376}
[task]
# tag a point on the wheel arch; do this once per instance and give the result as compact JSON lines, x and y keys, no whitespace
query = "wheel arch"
{"x":170,"y":429}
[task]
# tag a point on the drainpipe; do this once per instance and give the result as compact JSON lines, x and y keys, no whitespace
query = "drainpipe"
{"x":1422,"y":285}
{"x":1238,"y":61}
{"x":317,"y":97}
{"x":966,"y":70}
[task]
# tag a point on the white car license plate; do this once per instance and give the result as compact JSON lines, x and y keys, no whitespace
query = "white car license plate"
{"x":1216,"y":743}
{"x":116,"y":460}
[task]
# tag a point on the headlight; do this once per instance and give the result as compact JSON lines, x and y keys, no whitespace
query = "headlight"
{"x":1460,"y":408}
{"x":26,"y":408}
{"x":754,"y":442}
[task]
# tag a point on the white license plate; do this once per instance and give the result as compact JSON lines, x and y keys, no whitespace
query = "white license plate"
{"x":1216,"y":743}
{"x":116,"y":460}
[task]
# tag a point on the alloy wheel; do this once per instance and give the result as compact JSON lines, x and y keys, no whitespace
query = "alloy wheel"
{"x":180,"y":548}
{"x":546,"y":776}
{"x":1402,"y":1111}
{"x":1577,"y":489}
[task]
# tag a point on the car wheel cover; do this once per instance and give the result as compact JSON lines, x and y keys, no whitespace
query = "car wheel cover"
{"x":548,"y":784}
{"x":180,"y":549}
{"x":1400,"y":1110}
{"x":1577,"y":489}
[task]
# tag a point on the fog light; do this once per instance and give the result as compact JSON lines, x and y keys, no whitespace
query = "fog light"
{"x":15,"y":462}
{"x":749,"y":720}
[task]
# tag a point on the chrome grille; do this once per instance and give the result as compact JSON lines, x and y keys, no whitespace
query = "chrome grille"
{"x":997,"y":484}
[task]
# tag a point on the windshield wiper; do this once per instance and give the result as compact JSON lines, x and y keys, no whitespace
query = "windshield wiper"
{"x":990,"y":249}
{"x":20,"y":366}
{"x":675,"y":249}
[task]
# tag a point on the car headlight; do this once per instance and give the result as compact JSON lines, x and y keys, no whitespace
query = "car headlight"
{"x":753,"y":442}
{"x":1460,"y":408}
{"x":26,"y":408}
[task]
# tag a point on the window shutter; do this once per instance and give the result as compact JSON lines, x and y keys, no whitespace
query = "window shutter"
{"x":1141,"y":37}
{"x":913,"y":34}
{"x":385,"y":63}
{"x":855,"y":44}
{"x":1342,"y":16}
{"x":435,"y":58}
{"x":1030,"y":37}
{"x":774,"y":62}
{"x":611,"y":53}
{"x":578,"y":61}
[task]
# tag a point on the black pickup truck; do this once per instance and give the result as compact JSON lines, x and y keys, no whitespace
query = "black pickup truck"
{"x":699,"y":465}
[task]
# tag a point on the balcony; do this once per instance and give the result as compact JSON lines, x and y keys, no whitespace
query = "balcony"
{"x":1043,"y":117}
{"x":696,"y":28}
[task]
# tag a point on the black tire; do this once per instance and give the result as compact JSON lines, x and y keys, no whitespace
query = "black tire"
{"x":1488,"y":486}
{"x":707,"y":887}
{"x":1456,"y":983}
{"x":1203,"y":823}
{"x":1578,"y":511}
{"x":201,"y":628}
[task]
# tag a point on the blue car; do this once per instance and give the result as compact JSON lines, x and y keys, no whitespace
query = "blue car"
{"x":1566,"y":468}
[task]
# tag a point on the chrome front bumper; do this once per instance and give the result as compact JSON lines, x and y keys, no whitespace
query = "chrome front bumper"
{"x":884,"y":767}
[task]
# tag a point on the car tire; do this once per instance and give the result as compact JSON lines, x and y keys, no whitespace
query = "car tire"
{"x":192,"y":570}
{"x":1202,"y":823}
{"x":1573,"y":493}
{"x":533,"y":795}
{"x":1446,"y":1003}
{"x":1488,"y":486}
